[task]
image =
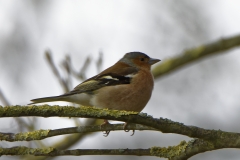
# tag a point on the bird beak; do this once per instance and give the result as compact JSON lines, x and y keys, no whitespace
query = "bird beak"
{"x":153,"y":61}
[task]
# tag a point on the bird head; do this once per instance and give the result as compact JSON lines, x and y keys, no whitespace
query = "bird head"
{"x":139,"y":60}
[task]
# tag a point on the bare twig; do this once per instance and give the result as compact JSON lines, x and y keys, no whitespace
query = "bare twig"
{"x":55,"y":71}
{"x":82,"y":72}
{"x":4,"y":99}
{"x":66,"y":63}
{"x":99,"y":62}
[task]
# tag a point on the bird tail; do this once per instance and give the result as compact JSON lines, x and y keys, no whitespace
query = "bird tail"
{"x":47,"y":99}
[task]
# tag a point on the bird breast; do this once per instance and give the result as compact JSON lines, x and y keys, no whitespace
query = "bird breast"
{"x":129,"y":97}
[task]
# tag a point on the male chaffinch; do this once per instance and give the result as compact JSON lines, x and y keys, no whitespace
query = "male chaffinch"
{"x":127,"y":85}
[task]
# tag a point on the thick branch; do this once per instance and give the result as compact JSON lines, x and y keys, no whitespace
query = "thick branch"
{"x":218,"y":137}
{"x":194,"y":54}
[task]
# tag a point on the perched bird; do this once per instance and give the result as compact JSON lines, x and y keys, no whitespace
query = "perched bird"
{"x":127,"y":85}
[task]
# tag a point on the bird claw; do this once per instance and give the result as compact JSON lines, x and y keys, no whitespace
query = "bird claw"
{"x":133,"y":131}
{"x":105,"y":133}
{"x":124,"y":128}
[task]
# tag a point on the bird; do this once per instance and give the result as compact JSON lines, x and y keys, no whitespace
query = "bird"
{"x":127,"y":85}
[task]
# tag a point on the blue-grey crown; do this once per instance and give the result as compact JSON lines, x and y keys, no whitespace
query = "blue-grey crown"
{"x":132,"y":55}
{"x":127,"y":58}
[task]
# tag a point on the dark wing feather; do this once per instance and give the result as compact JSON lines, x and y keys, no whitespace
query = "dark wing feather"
{"x":104,"y":79}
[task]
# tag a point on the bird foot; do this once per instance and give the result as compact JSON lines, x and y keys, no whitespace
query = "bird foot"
{"x":124,"y":128}
{"x":105,"y":122}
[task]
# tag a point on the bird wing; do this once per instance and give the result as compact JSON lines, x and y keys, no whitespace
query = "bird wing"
{"x":104,"y":79}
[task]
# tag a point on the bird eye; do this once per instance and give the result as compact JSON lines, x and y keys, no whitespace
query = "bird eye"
{"x":141,"y":59}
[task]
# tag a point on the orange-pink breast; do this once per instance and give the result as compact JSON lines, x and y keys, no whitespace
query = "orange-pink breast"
{"x":129,"y":97}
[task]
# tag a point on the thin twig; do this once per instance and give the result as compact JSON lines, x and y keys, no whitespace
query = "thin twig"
{"x":75,"y":152}
{"x":99,"y":62}
{"x":55,"y":71}
{"x":182,"y":151}
{"x":82,"y":72}
{"x":42,"y":134}
{"x":4,"y":99}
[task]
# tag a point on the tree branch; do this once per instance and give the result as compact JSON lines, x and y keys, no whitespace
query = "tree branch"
{"x":209,"y":139}
{"x":182,"y":151}
{"x":76,"y":152}
{"x":63,"y":82}
{"x":42,"y":134}
{"x":191,"y":55}
{"x":218,"y":137}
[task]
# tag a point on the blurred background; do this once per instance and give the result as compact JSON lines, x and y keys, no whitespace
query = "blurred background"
{"x":205,"y":93}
